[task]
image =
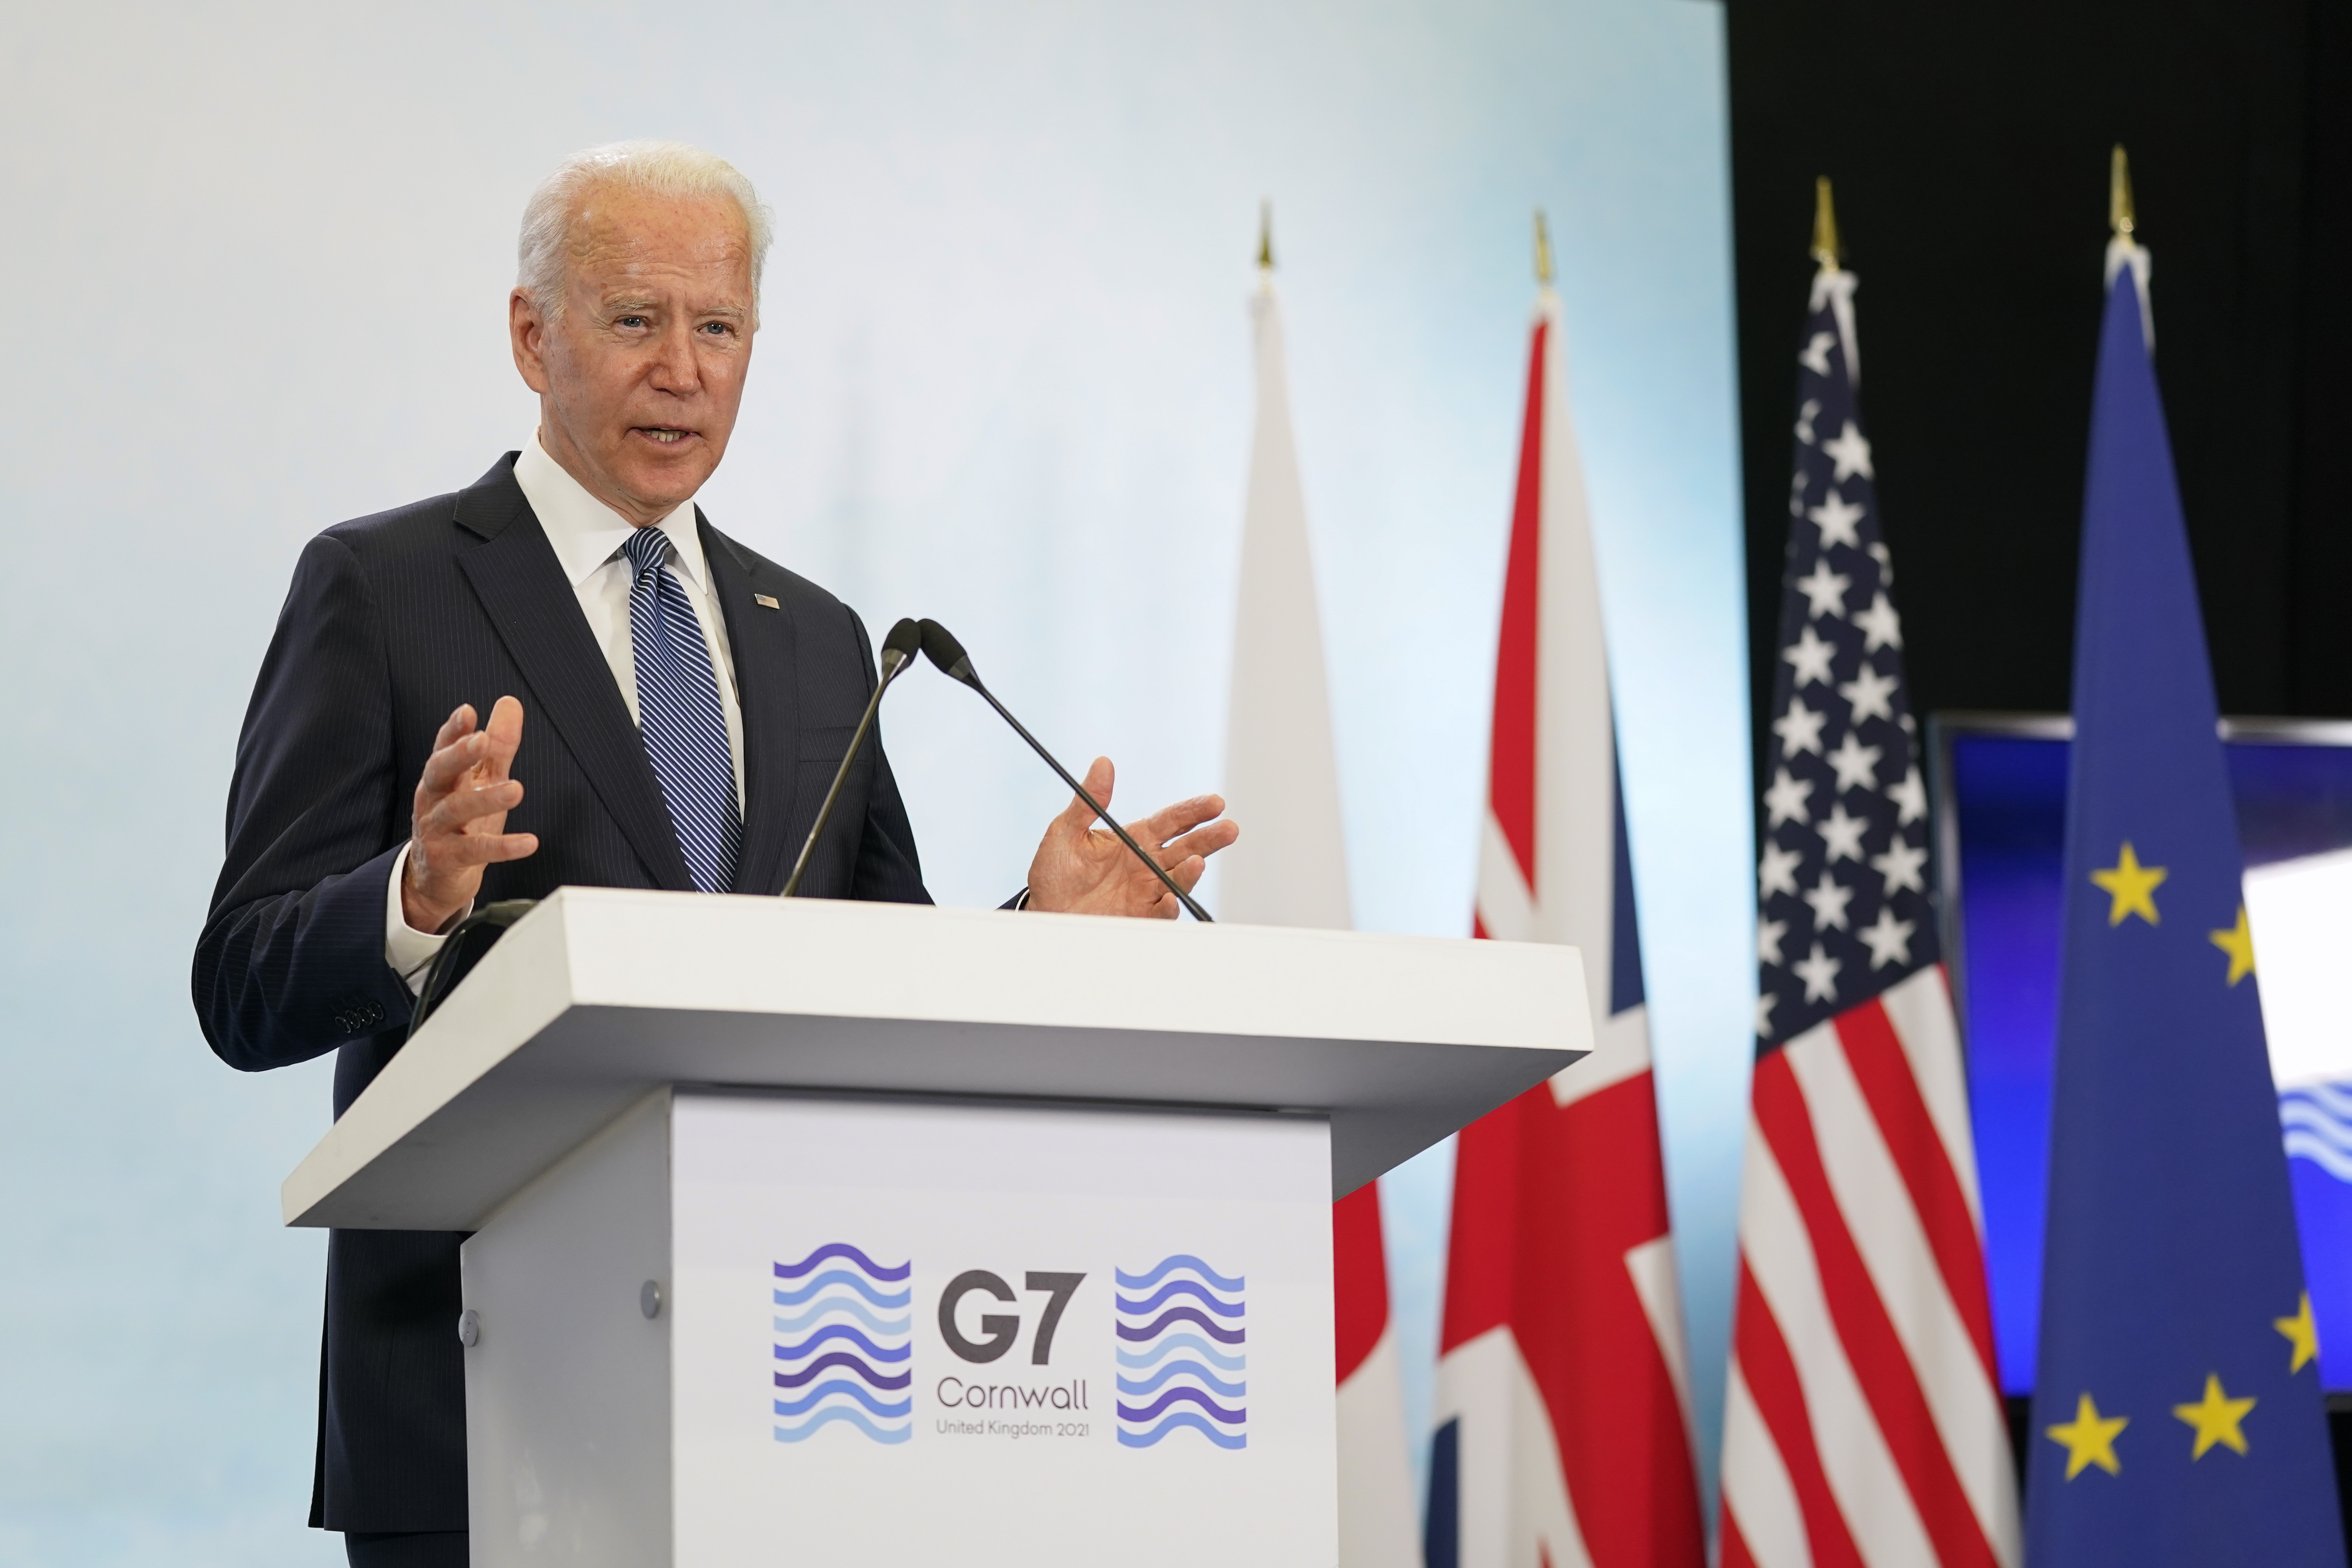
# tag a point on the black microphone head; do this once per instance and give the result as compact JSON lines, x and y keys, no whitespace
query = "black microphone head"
{"x":941,"y":648}
{"x":900,"y":644}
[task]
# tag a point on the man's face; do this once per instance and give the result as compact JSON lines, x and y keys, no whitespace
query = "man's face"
{"x":640,"y":377}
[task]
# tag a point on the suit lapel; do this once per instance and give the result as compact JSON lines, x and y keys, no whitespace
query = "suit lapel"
{"x":522,"y":587}
{"x":768,"y":688}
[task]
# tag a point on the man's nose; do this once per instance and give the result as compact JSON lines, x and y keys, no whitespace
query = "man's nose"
{"x":675,"y":369}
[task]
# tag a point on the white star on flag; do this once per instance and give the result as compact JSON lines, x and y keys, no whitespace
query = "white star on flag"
{"x":1827,"y":900}
{"x":1824,"y":591}
{"x":1851,"y":452}
{"x":1881,"y":626}
{"x":1911,"y":796}
{"x":1841,"y":834}
{"x":1820,"y":973}
{"x":1856,"y":764}
{"x":1764,"y":1006}
{"x":1815,"y":355}
{"x":1900,"y":866}
{"x":1836,"y":519}
{"x":1868,"y":691}
{"x":1800,"y":729}
{"x":1811,"y":657}
{"x":1777,"y":871}
{"x":1786,"y":800}
{"x":1805,"y":421}
{"x":1768,"y":940}
{"x":1889,"y":939}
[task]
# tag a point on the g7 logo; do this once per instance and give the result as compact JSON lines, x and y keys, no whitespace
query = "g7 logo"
{"x":999,"y":1329}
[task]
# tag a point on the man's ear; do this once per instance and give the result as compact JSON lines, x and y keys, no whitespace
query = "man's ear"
{"x":527,"y":329}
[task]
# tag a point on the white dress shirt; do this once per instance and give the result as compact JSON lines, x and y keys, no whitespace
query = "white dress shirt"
{"x":587,"y":535}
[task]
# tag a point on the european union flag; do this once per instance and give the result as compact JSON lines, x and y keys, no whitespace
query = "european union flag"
{"x":2177,"y":1409}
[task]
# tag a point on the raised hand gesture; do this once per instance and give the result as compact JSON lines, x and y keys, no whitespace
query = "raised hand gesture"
{"x":1081,"y":869}
{"x":459,"y":824}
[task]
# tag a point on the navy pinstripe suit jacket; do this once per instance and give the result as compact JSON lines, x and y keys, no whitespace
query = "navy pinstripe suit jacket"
{"x":392,"y":621}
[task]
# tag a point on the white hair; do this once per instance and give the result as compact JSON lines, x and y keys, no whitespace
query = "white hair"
{"x":669,"y":169}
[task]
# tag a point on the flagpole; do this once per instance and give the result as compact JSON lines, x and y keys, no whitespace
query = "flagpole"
{"x":1833,"y":285}
{"x":2123,"y":248}
{"x":1825,"y":234}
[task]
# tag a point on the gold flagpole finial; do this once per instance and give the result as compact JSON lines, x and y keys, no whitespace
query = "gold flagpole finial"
{"x":1543,"y":251}
{"x":1265,"y":236}
{"x":1825,"y":234}
{"x":2120,"y":196}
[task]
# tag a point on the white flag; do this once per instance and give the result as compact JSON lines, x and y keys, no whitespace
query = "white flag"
{"x":1282,"y":779}
{"x":1282,"y":782}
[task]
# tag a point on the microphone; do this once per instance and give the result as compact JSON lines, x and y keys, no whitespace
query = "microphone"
{"x":492,"y":917}
{"x":898,"y":653}
{"x":941,"y":648}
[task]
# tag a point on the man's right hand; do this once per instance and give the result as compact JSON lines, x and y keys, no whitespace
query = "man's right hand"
{"x":459,"y":824}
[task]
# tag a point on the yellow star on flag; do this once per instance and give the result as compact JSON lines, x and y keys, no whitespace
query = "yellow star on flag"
{"x":2302,"y":1334}
{"x":2089,"y":1438}
{"x":2238,"y":943}
{"x":2132,"y":885}
{"x":2216,"y":1418}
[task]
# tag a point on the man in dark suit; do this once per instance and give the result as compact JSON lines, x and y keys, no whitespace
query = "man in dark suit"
{"x":687,"y":700}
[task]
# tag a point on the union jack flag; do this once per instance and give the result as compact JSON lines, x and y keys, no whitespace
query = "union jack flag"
{"x":1563,"y":1434}
{"x":1864,"y":1420}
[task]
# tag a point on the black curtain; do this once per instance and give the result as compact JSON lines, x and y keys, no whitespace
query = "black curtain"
{"x":1968,"y":146}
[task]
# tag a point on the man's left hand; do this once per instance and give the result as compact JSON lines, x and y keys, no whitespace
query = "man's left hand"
{"x":1081,"y":869}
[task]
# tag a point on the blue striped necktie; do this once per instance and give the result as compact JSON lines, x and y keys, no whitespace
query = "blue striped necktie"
{"x":679,"y":710}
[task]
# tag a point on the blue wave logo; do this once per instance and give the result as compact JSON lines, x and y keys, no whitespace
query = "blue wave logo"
{"x":1181,"y":1359}
{"x":2317,"y":1119}
{"x":845,"y":1346}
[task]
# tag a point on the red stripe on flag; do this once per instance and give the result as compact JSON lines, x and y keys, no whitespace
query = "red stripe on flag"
{"x":1734,"y":1545}
{"x":1359,"y":1278}
{"x":1772,"y":1378}
{"x":1536,"y":1248}
{"x":1484,"y":1239}
{"x":1511,"y":765}
{"x":1884,"y":1072}
{"x":1884,"y":1369}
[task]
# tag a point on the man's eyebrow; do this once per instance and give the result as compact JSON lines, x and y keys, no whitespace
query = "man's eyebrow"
{"x":638,"y":304}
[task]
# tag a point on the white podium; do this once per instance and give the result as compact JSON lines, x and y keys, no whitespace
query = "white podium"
{"x":825,"y":1232}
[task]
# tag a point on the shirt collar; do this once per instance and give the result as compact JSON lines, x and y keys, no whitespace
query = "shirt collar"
{"x":585,"y":531}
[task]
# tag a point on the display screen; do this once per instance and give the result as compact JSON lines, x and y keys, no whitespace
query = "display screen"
{"x":2001,"y":818}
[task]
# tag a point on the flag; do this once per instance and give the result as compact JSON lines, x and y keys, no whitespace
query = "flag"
{"x":1376,"y":1511}
{"x":1563,"y":1432}
{"x":2177,"y":1409}
{"x":1281,"y":771}
{"x":1862,"y":1423}
{"x":1283,"y":778}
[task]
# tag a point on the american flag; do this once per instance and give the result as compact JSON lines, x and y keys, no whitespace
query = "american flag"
{"x":1864,"y":1421}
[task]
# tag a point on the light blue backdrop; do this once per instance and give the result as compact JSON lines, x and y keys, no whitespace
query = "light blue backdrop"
{"x":257,"y":262}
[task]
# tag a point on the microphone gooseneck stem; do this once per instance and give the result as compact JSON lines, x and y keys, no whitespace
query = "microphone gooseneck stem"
{"x":491,"y":917}
{"x":841,"y":776}
{"x":1093,"y":805}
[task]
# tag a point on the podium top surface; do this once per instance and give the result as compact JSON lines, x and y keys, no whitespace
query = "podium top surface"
{"x":600,"y":996}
